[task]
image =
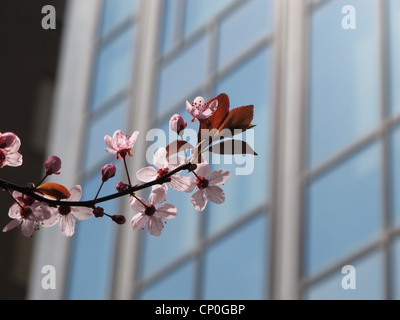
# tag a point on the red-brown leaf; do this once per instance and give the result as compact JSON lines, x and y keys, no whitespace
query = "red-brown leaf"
{"x":239,"y":118}
{"x":177,"y":146}
{"x":221,"y":113}
{"x":231,"y":147}
{"x":54,"y":190}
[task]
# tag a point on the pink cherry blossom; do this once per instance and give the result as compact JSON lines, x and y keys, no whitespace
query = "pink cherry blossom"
{"x":67,"y":215}
{"x":150,"y":215}
{"x":208,"y":188}
{"x":200,"y":110}
{"x":121,"y":144}
{"x":164,"y":166}
{"x":26,"y":213}
{"x":177,"y":124}
{"x":9,"y":150}
{"x":52,"y":165}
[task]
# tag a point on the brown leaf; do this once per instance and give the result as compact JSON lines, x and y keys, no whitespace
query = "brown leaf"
{"x":239,"y":118}
{"x":177,"y":146}
{"x":54,"y":190}
{"x":231,"y":147}
{"x":222,"y":112}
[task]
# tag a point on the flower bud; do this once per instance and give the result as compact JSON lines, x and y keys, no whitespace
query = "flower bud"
{"x":121,"y":186}
{"x":108,"y":171}
{"x":53,"y":165}
{"x":119,"y":219}
{"x":98,"y":212}
{"x":177,"y":123}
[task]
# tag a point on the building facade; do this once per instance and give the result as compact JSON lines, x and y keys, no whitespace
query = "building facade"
{"x":322,"y":76}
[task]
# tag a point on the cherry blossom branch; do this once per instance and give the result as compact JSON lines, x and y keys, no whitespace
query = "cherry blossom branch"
{"x":46,"y":204}
{"x":29,"y":191}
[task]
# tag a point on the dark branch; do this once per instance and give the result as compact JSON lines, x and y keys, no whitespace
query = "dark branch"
{"x":29,"y":191}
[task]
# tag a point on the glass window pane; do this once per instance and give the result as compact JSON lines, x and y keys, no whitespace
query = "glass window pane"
{"x":369,"y":281}
{"x":179,"y":235}
{"x":170,"y":16}
{"x":395,"y":255}
{"x":113,"y":68}
{"x":182,"y":75}
{"x":200,"y":11}
{"x":115,"y":12}
{"x":93,"y":248}
{"x":394,"y":53}
{"x":243,"y":28}
{"x":248,"y":186}
{"x":344,"y":209}
{"x":344,"y":86}
{"x":235,"y":267}
{"x":106,"y":124}
{"x":177,"y":285}
{"x":395,"y":174}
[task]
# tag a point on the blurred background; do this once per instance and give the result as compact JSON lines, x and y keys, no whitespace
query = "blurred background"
{"x":322,"y":194}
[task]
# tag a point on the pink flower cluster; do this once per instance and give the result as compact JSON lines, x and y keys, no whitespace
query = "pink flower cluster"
{"x":48,"y":204}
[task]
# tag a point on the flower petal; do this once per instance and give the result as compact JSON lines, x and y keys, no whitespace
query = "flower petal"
{"x":110,"y":142}
{"x":15,"y":145}
{"x":7,"y":140}
{"x":13,"y":159}
{"x":41,"y":211}
{"x":203,"y":170}
{"x":138,"y":221}
{"x":219,"y":177}
{"x":155,"y":226}
{"x":189,"y":107}
{"x":167,"y":211}
{"x":199,"y":200}
{"x":133,"y":138}
{"x":137,"y":204}
{"x":14,"y":211}
{"x":54,"y":218}
{"x":147,"y":174}
{"x":27,"y":227}
{"x":82,"y":213}
{"x":182,"y":183}
{"x":76,"y":193}
{"x":12,"y":224}
{"x":67,"y":225}
{"x":157,"y":195}
{"x":160,"y":158}
{"x":215,"y":194}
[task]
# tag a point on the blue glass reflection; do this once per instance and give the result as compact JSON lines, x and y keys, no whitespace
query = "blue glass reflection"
{"x":182,"y":75}
{"x":114,"y":119}
{"x":395,"y":261}
{"x":395,"y":174}
{"x":170,"y":16}
{"x":113,"y":68}
{"x":115,"y":12}
{"x":177,"y":285}
{"x":235,"y":267}
{"x":92,"y":254}
{"x":394,"y":53}
{"x":243,"y":28}
{"x":369,"y":281}
{"x":200,"y":11}
{"x":248,"y":186}
{"x":343,"y":209}
{"x":344,"y":86}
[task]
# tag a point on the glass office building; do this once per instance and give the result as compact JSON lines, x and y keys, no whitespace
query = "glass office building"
{"x":323,"y":192}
